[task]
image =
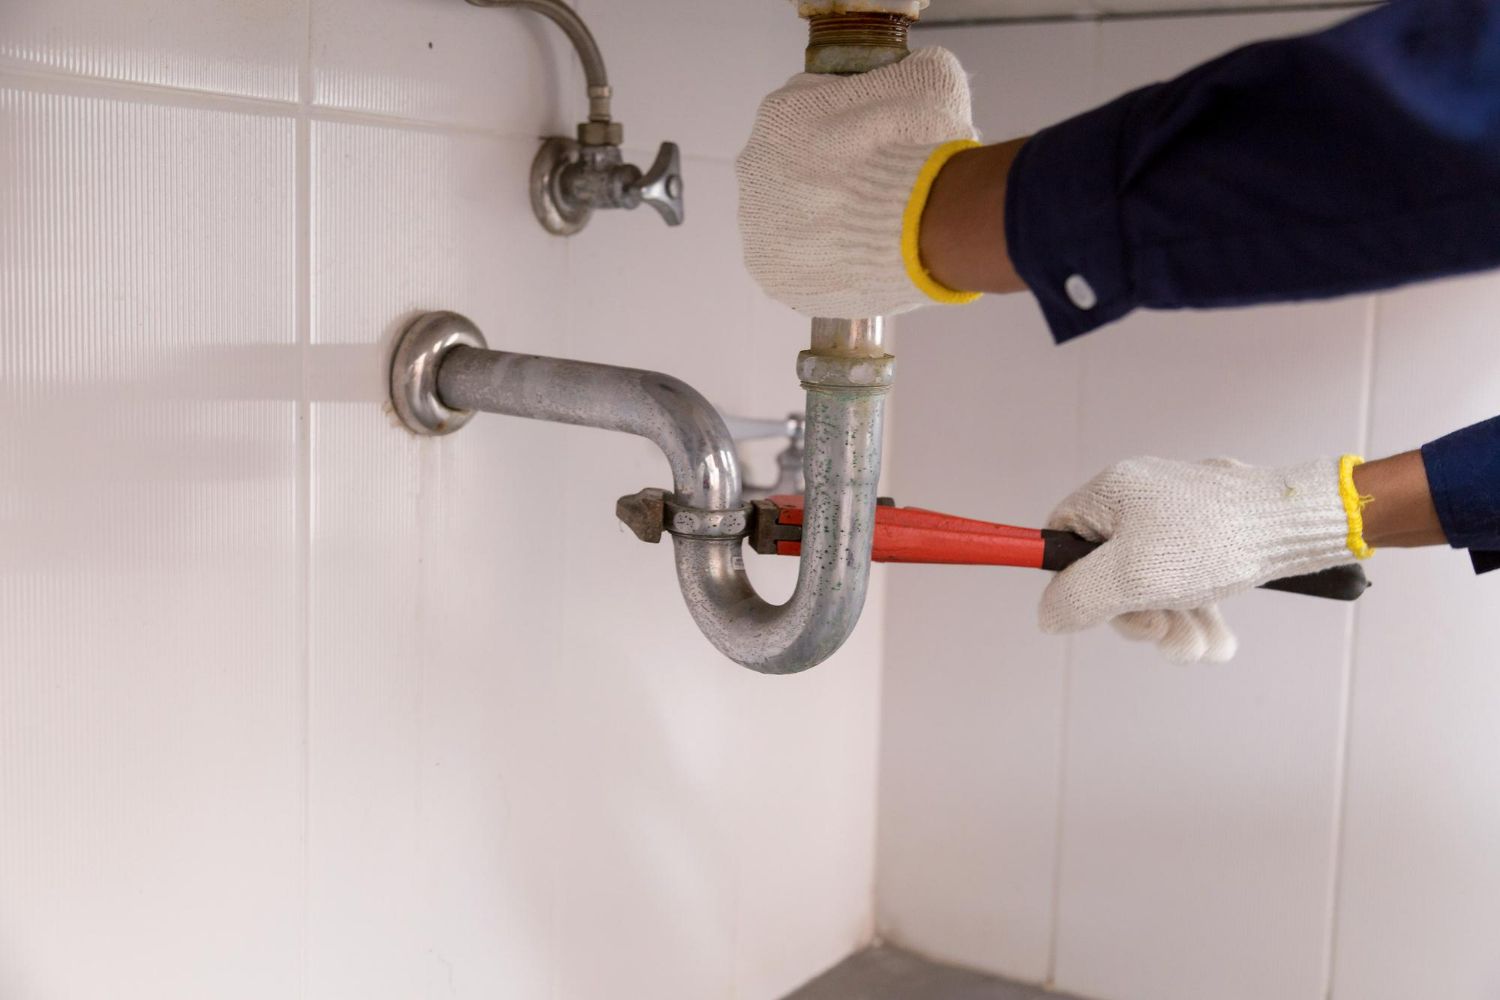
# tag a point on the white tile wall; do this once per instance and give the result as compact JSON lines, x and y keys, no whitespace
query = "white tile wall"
{"x":1313,"y":817}
{"x":293,"y":703}
{"x":287,"y":706}
{"x":714,"y":61}
{"x":428,"y":632}
{"x":1233,"y":772}
{"x":1419,"y":891}
{"x":974,"y":695}
{"x":751,"y":769}
{"x":246,"y":48}
{"x":150,"y":684}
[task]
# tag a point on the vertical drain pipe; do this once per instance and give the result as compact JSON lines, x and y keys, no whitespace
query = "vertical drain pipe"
{"x":847,"y":374}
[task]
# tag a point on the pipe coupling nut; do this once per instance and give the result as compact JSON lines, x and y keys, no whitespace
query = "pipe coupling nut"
{"x":846,"y":373}
{"x":693,"y":522}
{"x":601,"y":133}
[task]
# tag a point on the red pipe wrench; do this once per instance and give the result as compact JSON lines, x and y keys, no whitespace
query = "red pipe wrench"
{"x":914,"y":535}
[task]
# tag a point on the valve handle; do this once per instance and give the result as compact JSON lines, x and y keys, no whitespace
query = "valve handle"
{"x":661,"y":187}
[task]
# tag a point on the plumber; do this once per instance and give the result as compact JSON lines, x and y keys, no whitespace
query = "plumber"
{"x":1357,"y":158}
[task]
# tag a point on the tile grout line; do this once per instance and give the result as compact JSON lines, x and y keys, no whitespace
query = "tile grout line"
{"x":1064,"y":727}
{"x":70,"y":84}
{"x":303,"y":280}
{"x":1338,"y":837}
{"x":1070,"y":649}
{"x":557,"y":898}
{"x":75,"y":84}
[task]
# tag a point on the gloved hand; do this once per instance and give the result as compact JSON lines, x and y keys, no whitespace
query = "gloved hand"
{"x":834,"y":179}
{"x":1183,"y":535}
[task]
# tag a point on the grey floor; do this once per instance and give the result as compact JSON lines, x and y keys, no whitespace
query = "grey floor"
{"x":890,"y":974}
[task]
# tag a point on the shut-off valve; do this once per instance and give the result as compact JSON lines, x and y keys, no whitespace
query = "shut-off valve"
{"x":571,"y":177}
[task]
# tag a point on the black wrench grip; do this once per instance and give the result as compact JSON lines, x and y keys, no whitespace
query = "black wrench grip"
{"x":1339,"y":583}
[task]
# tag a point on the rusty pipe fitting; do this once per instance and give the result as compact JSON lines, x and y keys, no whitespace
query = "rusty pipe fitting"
{"x":855,"y":42}
{"x":856,"y":36}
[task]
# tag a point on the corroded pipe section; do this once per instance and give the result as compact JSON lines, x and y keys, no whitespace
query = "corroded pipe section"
{"x":855,"y":43}
{"x":856,"y":36}
{"x":845,"y":419}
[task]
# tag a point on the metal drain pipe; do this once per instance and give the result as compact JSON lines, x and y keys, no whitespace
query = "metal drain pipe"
{"x":847,"y":375}
{"x":442,"y":372}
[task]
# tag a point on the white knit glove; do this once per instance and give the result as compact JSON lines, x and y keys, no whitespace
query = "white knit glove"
{"x":1183,"y":535}
{"x":834,"y":179}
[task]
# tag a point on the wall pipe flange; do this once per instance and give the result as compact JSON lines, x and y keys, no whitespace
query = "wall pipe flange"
{"x":558,"y":214}
{"x":414,"y":371}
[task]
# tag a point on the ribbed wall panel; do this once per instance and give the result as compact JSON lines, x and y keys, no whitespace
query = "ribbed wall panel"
{"x":371,"y":253}
{"x":220,"y":46}
{"x":150,"y":680}
{"x":509,"y":71}
{"x":1317,"y":818}
{"x":365,"y":707}
{"x":1422,"y":813}
{"x":432,"y":630}
{"x":292,"y":702}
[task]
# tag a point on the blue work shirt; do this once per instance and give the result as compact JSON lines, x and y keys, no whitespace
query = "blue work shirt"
{"x":1358,"y":158}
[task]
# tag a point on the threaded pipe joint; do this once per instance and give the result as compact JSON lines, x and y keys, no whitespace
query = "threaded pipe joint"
{"x":855,"y":42}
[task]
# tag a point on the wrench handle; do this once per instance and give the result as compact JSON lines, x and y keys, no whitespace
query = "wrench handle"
{"x":1338,"y":583}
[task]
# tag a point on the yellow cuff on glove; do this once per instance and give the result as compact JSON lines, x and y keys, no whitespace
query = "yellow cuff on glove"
{"x":1354,"y":506}
{"x":911,"y":226}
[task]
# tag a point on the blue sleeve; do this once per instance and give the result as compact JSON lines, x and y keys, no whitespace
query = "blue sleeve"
{"x":1463,"y":471}
{"x":1357,"y":158}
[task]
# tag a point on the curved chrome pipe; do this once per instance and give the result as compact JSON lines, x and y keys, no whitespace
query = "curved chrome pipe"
{"x":660,"y":408}
{"x":578,"y":33}
{"x":440,"y":373}
{"x":844,"y":425}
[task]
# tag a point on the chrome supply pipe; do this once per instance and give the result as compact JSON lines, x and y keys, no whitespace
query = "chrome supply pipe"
{"x":578,"y":33}
{"x":442,"y":372}
{"x":572,"y":178}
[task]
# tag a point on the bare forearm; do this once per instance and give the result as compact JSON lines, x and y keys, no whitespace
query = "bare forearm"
{"x":963,"y":246}
{"x":963,"y":225}
{"x":1400,"y":512}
